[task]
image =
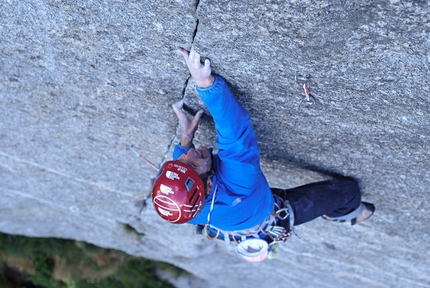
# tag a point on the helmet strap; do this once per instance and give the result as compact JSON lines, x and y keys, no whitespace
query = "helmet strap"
{"x":206,"y":175}
{"x":211,"y":172}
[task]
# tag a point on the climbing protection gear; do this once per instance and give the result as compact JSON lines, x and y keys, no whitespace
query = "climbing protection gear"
{"x":303,"y":80}
{"x":178,"y":193}
{"x":274,"y":229}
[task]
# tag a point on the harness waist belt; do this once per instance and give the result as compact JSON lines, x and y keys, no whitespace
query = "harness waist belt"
{"x":283,"y":217}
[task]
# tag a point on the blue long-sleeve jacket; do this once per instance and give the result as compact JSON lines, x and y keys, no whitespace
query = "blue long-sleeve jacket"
{"x":243,"y":198}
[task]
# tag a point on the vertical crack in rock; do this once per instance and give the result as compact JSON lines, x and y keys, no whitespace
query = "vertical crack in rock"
{"x":197,"y":5}
{"x":185,"y":87}
{"x":196,"y":29}
{"x":192,"y":42}
{"x":167,"y":154}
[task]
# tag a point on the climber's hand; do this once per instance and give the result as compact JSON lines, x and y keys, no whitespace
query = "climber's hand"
{"x":188,"y":125}
{"x":201,"y":72}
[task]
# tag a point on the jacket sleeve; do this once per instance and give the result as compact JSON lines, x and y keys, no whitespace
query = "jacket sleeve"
{"x":239,"y":165}
{"x":180,"y":150}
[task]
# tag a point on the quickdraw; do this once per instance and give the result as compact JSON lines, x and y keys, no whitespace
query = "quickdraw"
{"x":303,"y":80}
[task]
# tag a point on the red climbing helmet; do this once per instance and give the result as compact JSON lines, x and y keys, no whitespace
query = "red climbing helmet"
{"x":178,"y":193}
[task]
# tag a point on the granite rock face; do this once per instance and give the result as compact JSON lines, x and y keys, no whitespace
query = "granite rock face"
{"x":81,"y":80}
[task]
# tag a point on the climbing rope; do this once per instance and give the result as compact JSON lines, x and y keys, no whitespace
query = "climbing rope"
{"x":76,"y":208}
{"x":73,"y":208}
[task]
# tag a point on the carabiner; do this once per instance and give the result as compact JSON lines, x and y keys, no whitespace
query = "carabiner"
{"x":285,"y":210}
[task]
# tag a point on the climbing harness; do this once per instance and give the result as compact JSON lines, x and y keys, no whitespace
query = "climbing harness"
{"x":274,"y":229}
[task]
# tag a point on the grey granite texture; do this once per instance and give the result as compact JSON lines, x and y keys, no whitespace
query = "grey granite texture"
{"x":81,"y":80}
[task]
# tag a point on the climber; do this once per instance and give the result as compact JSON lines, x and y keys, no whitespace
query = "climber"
{"x":226,"y":193}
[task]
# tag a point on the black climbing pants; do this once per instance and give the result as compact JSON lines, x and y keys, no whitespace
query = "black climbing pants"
{"x":334,"y":198}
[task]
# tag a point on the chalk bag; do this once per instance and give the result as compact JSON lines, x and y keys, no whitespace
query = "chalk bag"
{"x":253,"y":250}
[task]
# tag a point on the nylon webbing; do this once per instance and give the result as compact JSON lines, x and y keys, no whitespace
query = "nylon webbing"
{"x":212,"y":204}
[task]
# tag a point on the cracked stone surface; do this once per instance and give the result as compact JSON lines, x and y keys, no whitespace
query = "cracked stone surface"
{"x":81,"y":80}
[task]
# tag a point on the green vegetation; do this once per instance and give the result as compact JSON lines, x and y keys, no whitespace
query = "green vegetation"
{"x":48,"y":262}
